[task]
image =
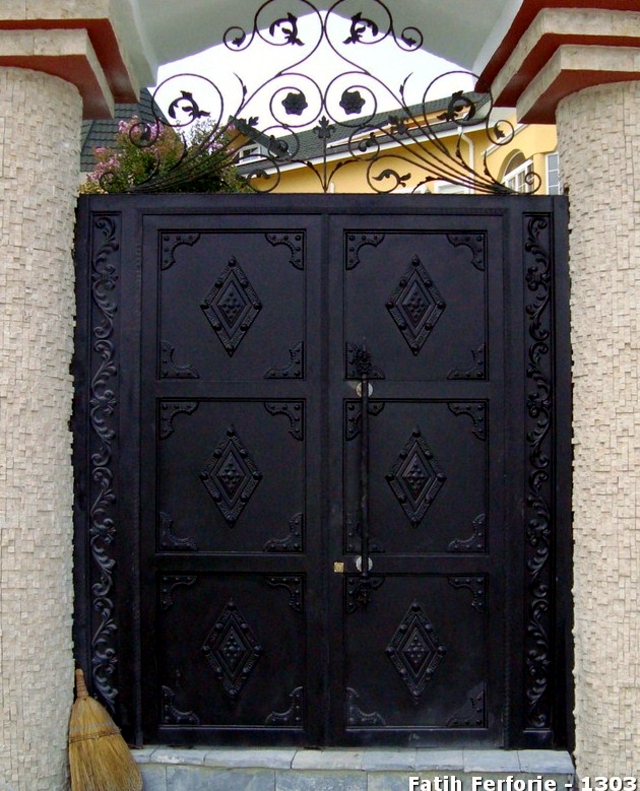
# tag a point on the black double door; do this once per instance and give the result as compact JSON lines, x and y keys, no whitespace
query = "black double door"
{"x":330,"y":522}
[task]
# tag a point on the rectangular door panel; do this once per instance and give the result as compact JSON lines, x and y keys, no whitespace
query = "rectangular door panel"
{"x":231,"y":306}
{"x":417,"y":656}
{"x":420,"y":301}
{"x":231,"y":651}
{"x":231,"y":475}
{"x":428,"y":475}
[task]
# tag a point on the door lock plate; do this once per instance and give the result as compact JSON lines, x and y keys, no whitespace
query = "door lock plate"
{"x":338,"y":567}
{"x":359,"y":563}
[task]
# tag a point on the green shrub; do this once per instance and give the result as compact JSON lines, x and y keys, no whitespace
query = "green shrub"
{"x":155,"y":158}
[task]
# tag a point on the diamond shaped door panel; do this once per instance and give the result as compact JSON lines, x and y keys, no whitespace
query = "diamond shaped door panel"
{"x":418,"y":651}
{"x":416,"y":477}
{"x":232,"y":650}
{"x":416,"y":305}
{"x":242,"y":481}
{"x":231,"y":476}
{"x":421,"y":301}
{"x":230,"y":305}
{"x":236,"y":662}
{"x":428,"y":474}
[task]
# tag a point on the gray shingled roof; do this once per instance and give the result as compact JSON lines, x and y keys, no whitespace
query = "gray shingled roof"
{"x":103,"y":133}
{"x":308,"y":146}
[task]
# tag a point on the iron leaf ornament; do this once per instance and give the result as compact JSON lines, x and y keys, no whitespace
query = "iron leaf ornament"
{"x":327,"y":126}
{"x":290,"y":32}
{"x":359,"y":27}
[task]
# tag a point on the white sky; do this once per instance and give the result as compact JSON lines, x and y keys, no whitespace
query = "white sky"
{"x":218,"y":91}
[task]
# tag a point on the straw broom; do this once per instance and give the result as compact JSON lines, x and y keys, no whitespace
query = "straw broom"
{"x":99,"y":758}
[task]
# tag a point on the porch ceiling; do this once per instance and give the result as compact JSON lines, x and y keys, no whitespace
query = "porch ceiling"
{"x":461,"y":31}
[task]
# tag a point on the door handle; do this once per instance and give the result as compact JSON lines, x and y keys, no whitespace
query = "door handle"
{"x":361,"y":590}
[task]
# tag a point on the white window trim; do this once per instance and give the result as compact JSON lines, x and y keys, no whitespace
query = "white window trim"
{"x":515,"y":179}
{"x":244,"y":156}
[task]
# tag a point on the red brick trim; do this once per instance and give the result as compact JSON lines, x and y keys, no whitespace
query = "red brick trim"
{"x":566,"y":83}
{"x":529,"y":10}
{"x":105,"y":44}
{"x":72,"y":68}
{"x":544,"y":50}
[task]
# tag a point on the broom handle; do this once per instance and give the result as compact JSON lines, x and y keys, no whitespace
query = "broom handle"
{"x":81,"y":687}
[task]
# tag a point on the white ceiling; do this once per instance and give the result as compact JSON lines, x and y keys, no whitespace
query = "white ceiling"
{"x":463,"y":31}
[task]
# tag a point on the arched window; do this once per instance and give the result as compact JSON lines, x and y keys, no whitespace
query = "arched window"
{"x":516,"y":173}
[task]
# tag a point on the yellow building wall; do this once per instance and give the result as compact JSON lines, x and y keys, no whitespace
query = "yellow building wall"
{"x":350,"y":175}
{"x":534,"y":142}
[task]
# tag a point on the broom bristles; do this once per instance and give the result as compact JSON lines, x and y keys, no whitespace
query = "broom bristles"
{"x":99,"y":758}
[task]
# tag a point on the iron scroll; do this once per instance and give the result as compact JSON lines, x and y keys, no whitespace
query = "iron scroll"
{"x":327,"y":127}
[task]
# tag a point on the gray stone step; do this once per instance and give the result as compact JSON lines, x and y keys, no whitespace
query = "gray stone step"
{"x":291,"y":769}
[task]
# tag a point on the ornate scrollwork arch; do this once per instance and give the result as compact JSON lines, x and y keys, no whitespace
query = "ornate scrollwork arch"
{"x":327,"y":126}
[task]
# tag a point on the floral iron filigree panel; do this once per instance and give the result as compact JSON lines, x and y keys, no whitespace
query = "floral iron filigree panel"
{"x":293,"y":118}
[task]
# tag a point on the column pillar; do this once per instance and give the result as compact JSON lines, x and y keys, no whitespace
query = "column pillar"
{"x":581,"y":68}
{"x":39,"y":154}
{"x":599,"y":146}
{"x":50,"y":76}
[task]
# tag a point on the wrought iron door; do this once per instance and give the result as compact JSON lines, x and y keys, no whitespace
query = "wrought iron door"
{"x":327,"y":511}
{"x":422,"y":641}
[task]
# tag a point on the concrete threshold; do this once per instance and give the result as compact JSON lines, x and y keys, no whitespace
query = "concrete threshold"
{"x":409,"y":769}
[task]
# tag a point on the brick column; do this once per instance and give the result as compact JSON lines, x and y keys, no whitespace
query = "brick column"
{"x":599,"y":145}
{"x":55,"y":67}
{"x":39,"y":166}
{"x":581,"y":68}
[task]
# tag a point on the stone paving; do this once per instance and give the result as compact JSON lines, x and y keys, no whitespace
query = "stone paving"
{"x":291,"y":769}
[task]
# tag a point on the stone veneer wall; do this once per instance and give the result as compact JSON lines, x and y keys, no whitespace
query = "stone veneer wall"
{"x":599,"y":145}
{"x":39,"y":163}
